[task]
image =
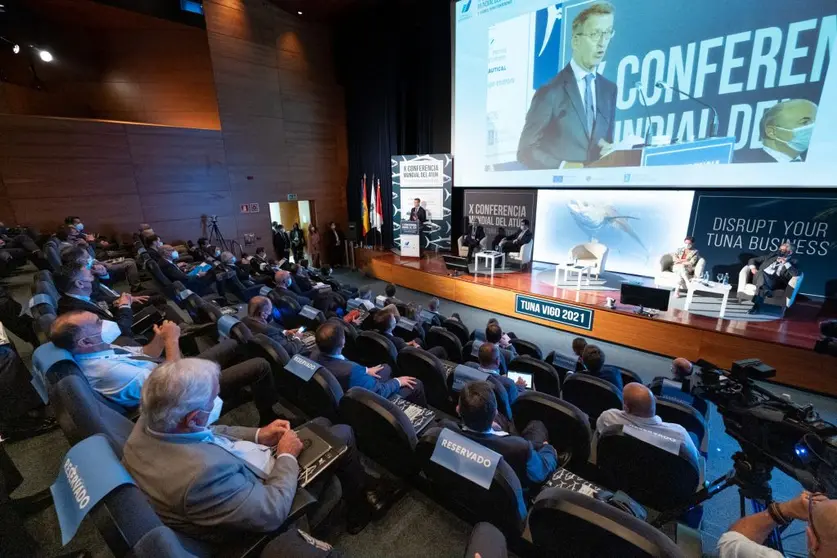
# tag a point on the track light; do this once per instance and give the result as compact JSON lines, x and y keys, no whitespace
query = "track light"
{"x":300,"y":13}
{"x":16,"y":48}
{"x":45,"y":55}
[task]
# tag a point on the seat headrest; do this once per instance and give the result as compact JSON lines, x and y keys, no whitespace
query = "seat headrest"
{"x":387,"y":410}
{"x":42,"y":298}
{"x":47,"y":355}
{"x":226,"y":323}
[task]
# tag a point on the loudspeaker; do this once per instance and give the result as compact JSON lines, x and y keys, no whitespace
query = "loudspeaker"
{"x":351,"y":234}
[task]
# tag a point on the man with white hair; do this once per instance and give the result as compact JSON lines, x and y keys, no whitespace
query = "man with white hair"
{"x":746,"y":537}
{"x":772,"y":272}
{"x":212,"y":481}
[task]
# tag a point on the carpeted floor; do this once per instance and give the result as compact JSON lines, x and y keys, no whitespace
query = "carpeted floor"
{"x":709,"y":305}
{"x":417,"y":527}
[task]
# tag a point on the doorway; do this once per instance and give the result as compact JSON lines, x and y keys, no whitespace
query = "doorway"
{"x":290,"y":212}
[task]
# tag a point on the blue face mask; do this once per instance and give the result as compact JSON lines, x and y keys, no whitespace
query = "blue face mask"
{"x":80,"y":227}
{"x":276,"y":315}
{"x":232,"y":261}
{"x":174,"y":256}
{"x":89,"y":264}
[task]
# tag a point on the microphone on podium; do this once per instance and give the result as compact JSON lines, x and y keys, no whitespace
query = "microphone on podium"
{"x":713,"y":131}
{"x":640,"y":87}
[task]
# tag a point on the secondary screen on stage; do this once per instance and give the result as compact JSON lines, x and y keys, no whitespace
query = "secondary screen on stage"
{"x":637,"y":227}
{"x":627,"y":92}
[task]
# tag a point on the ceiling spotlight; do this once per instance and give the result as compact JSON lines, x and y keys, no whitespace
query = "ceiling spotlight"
{"x":300,"y":13}
{"x":45,"y":55}
{"x":16,"y":48}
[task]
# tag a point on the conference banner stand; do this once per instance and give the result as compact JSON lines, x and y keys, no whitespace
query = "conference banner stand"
{"x":410,"y":239}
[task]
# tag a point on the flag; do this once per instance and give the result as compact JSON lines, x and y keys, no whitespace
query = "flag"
{"x":379,"y":209}
{"x":373,"y":211}
{"x":364,"y":207}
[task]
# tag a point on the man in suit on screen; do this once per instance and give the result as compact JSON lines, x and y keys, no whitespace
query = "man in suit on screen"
{"x":785,"y":133}
{"x":571,"y":118}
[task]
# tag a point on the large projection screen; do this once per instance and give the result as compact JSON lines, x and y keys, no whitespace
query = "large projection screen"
{"x":525,"y":115}
{"x":638,"y":227}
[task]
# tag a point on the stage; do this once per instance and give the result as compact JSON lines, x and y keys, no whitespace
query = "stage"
{"x":784,"y":343}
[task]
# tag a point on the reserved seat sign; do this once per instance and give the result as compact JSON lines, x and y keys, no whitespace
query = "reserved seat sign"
{"x":554,"y":311}
{"x":301,"y":367}
{"x":465,"y":457}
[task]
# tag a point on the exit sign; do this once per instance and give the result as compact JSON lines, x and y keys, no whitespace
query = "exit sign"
{"x":292,"y":197}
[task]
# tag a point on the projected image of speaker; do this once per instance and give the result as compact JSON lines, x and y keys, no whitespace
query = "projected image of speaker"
{"x":645,"y":297}
{"x":456,"y":265}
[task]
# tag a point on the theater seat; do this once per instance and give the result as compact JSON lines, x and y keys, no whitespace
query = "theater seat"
{"x":647,"y":473}
{"x":311,"y":318}
{"x":374,"y":349}
{"x":487,"y":541}
{"x":679,"y":412}
{"x":501,"y":504}
{"x":569,"y":428}
{"x":42,"y":307}
{"x":320,"y":396}
{"x":673,"y":389}
{"x":408,"y":330}
{"x":628,"y":376}
{"x":288,"y":307}
{"x":383,"y":431}
{"x":568,"y":523}
{"x":231,"y":327}
{"x":441,"y":337}
{"x":457,"y":328}
{"x":162,"y":282}
{"x":544,"y":376}
{"x":428,"y":368}
{"x":468,"y":352}
{"x":527,"y":348}
{"x":592,"y":395}
{"x":562,"y":363}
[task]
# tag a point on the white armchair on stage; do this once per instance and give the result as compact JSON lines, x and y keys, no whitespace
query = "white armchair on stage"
{"x":667,"y":279}
{"x":522,"y":257}
{"x":463,"y":250}
{"x":590,"y":254}
{"x":783,"y":298}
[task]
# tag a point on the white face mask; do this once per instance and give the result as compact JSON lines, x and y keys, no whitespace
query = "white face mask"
{"x":110,"y":331}
{"x":174,"y":256}
{"x":79,"y":226}
{"x":217,"y":253}
{"x":800,"y":137}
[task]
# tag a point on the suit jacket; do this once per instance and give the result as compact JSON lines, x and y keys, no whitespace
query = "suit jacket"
{"x":527,"y":237}
{"x":303,"y":281}
{"x":532,"y":465}
{"x":477,"y":234}
{"x":124,"y":317}
{"x":351,"y":374}
{"x":763,"y":262}
{"x":397,"y":341}
{"x":608,"y":374}
{"x":291,"y":346}
{"x":556,"y":128}
{"x":758,"y":156}
{"x":281,"y":243}
{"x":418,"y":214}
{"x":297,"y":238}
{"x":302,"y":300}
{"x":205,"y":491}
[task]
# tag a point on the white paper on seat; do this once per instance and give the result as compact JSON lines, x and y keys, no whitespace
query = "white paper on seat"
{"x":665,"y":443}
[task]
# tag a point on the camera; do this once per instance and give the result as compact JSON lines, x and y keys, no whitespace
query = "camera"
{"x":771,"y":430}
{"x":827,"y":345}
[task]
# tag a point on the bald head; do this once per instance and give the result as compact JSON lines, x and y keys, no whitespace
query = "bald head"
{"x":681,"y":367}
{"x":638,"y":400}
{"x":780,"y":121}
{"x":824,"y":520}
{"x":282,"y":278}
{"x":78,"y":332}
{"x":259,"y":307}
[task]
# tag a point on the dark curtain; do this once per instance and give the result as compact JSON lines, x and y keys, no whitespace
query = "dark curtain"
{"x":394,"y":63}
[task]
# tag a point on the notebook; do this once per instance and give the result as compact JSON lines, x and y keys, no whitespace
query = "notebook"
{"x":419,"y":416}
{"x":320,"y":450}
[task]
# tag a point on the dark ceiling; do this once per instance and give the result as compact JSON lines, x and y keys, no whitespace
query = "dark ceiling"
{"x":332,"y":10}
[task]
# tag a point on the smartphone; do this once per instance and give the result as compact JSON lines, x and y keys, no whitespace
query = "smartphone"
{"x":301,"y":330}
{"x":513,"y":376}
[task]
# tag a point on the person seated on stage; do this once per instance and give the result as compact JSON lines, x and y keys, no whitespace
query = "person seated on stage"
{"x":389,"y":291}
{"x":772,"y":272}
{"x":579,"y":343}
{"x":494,"y":334}
{"x":746,"y":537}
{"x":118,"y":373}
{"x":474,"y":233}
{"x":514,"y":241}
{"x":202,"y":283}
{"x":482,"y":423}
{"x":498,"y":238}
{"x":639,"y":409}
{"x":385,"y":324}
{"x":216,"y":482}
{"x":682,"y":263}
{"x":593,"y":360}
{"x":261,"y":318}
{"x":331,"y":338}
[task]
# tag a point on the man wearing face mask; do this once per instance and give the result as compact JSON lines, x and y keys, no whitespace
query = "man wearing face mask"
{"x":102,"y":249}
{"x":76,"y":285}
{"x":214,"y":482}
{"x":119,"y":372}
{"x":283,"y":281}
{"x":785,"y":133}
{"x":263,"y":318}
{"x":297,"y":242}
{"x":200,"y":283}
{"x":772,"y":272}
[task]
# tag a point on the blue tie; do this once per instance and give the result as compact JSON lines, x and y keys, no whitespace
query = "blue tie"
{"x":589,"y":113}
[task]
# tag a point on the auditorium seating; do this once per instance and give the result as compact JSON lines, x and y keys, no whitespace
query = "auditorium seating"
{"x":628,"y":376}
{"x":592,"y":395}
{"x":527,"y":348}
{"x":679,"y":412}
{"x":563,"y":364}
{"x":81,"y":412}
{"x":487,"y":541}
{"x":544,"y":376}
{"x":457,"y":328}
{"x":441,"y":337}
{"x":427,"y":368}
{"x":374,"y":349}
{"x":567,"y":523}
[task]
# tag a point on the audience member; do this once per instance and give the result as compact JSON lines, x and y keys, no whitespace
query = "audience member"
{"x":385,"y":323}
{"x":482,"y":423}
{"x":119,"y":372}
{"x":297,"y":242}
{"x":681,"y":369}
{"x":593,"y":360}
{"x":201,"y":283}
{"x":301,"y":275}
{"x":213,"y":481}
{"x":494,"y":334}
{"x":281,"y":243}
{"x":489,"y":359}
{"x":263,"y":318}
{"x":746,"y":537}
{"x":314,"y":245}
{"x":639,"y":409}
{"x":75,"y":283}
{"x":260,"y":262}
{"x":389,"y":291}
{"x":331,"y":338}
{"x":284,"y":281}
{"x":579,"y":343}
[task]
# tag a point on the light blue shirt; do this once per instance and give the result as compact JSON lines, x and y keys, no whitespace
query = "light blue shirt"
{"x":118,"y":377}
{"x":78,"y":297}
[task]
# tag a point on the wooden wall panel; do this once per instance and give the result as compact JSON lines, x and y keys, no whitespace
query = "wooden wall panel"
{"x":281,"y":110}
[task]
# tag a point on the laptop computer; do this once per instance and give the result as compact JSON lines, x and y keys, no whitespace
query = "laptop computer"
{"x":419,"y":416}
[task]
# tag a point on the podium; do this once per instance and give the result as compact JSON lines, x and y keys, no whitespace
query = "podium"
{"x":709,"y":151}
{"x":410,"y":239}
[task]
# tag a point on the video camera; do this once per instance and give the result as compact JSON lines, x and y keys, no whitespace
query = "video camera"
{"x":828,"y":343}
{"x":771,"y":430}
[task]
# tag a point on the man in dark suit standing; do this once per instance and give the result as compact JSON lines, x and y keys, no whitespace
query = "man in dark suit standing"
{"x":513,"y":242}
{"x":417,"y":213}
{"x":772,"y":272}
{"x":571,"y":118}
{"x":282,"y":243}
{"x":474,"y":233}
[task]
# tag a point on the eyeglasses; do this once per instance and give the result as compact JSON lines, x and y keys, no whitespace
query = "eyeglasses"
{"x":597,"y":36}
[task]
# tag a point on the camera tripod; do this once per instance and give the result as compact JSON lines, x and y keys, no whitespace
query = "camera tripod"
{"x":752,"y":477}
{"x":215,"y":234}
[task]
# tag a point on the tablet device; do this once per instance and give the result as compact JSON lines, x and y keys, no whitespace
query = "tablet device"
{"x":513,"y":376}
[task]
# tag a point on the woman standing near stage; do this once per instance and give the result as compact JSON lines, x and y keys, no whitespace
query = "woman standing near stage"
{"x":314,"y":246}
